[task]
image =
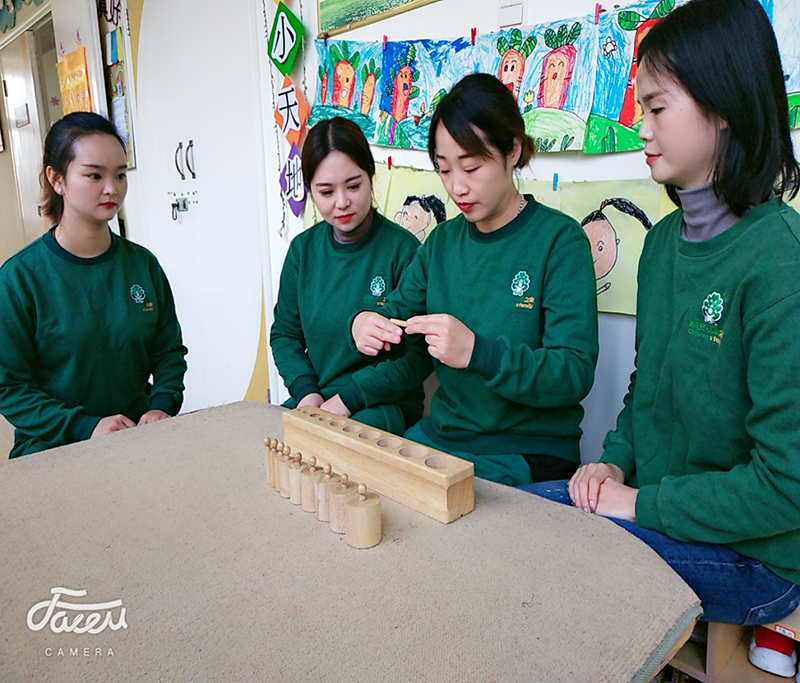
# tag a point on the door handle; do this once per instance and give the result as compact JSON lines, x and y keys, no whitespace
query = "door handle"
{"x":178,"y":158}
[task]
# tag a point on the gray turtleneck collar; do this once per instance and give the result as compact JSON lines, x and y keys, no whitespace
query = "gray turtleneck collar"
{"x":705,"y":215}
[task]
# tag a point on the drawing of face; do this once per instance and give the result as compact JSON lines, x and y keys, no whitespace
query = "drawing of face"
{"x":342,"y":192}
{"x":604,"y":243}
{"x":343,"y":84}
{"x":680,"y":140}
{"x":414,"y":219}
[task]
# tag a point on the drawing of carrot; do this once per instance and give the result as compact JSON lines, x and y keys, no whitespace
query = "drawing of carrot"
{"x":369,"y":75}
{"x":323,"y":87}
{"x":512,"y":65}
{"x":558,"y":65}
{"x":344,"y":73}
{"x":402,"y":85}
{"x":630,"y":20}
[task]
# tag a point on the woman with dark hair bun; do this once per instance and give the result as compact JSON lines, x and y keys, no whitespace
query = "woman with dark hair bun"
{"x":350,"y":261}
{"x":504,"y":297}
{"x":86,"y":317}
{"x":704,"y":463}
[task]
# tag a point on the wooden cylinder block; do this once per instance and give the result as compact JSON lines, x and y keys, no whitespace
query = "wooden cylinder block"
{"x":294,"y":479}
{"x":308,"y":499}
{"x":340,"y":493}
{"x":283,"y":474}
{"x":321,"y":492}
{"x":266,"y":460}
{"x":363,"y":519}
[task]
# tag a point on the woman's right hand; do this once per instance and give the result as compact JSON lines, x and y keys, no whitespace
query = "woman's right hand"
{"x":373,"y":333}
{"x":584,"y":487}
{"x":314,"y":400}
{"x":112,"y":423}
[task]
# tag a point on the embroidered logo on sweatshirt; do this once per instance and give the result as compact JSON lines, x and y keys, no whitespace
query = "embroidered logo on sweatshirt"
{"x":138,"y":294}
{"x":521,"y":283}
{"x":377,"y":286}
{"x":713,"y":307}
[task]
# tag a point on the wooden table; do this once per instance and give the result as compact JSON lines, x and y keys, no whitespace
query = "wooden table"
{"x":222,"y":580}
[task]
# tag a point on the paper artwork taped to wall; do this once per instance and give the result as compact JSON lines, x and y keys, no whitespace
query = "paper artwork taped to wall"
{"x":291,"y":181}
{"x":291,"y":112}
{"x":285,"y":39}
{"x":785,"y":17}
{"x":550,"y":70}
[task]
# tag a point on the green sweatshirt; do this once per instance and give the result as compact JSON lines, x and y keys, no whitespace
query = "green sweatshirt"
{"x":323,"y":283}
{"x":710,"y":431}
{"x":80,"y":338}
{"x":527,"y":291}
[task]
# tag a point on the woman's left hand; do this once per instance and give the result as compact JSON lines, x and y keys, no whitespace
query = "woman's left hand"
{"x":335,"y":405}
{"x":617,"y":500}
{"x":449,"y":340}
{"x":152,"y":416}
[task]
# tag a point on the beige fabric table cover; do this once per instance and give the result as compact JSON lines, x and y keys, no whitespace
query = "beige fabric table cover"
{"x":223,"y":580}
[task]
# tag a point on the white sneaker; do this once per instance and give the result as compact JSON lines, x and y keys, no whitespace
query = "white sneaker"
{"x":773,"y":652}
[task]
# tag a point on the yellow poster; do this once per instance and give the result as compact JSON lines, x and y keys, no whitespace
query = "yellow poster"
{"x":73,"y":79}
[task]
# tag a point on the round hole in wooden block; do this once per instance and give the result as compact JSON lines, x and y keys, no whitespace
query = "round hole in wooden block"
{"x":369,"y":434}
{"x":441,"y":462}
{"x":337,"y":423}
{"x":390,"y":443}
{"x":352,"y":428}
{"x":314,"y":415}
{"x":413,"y":451}
{"x":323,"y":418}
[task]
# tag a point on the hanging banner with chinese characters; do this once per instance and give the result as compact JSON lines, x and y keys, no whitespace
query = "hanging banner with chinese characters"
{"x":291,"y":112}
{"x":73,"y":79}
{"x":285,"y":39}
{"x":292,"y":184}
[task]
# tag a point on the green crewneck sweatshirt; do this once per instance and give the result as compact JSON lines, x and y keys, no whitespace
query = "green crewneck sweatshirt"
{"x":80,"y":338}
{"x":710,"y":431}
{"x":527,"y":291}
{"x":323,"y":283}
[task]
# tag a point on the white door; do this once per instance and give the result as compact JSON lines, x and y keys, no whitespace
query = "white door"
{"x":198,"y":89}
{"x":24,"y":135}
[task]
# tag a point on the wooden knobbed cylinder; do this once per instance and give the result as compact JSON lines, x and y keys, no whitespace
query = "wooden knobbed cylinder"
{"x":340,"y":492}
{"x":294,"y":478}
{"x":283,"y":472}
{"x":273,"y":473}
{"x":363,"y":519}
{"x":321,"y":491}
{"x":266,"y":460}
{"x":308,"y":499}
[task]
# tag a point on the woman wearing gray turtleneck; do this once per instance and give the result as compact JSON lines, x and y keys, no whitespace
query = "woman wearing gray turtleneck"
{"x":704,"y":464}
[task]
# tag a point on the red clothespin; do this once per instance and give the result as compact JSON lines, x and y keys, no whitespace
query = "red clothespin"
{"x":385,"y":38}
{"x":390,"y":163}
{"x":597,"y":9}
{"x":78,"y":36}
{"x":473,"y":31}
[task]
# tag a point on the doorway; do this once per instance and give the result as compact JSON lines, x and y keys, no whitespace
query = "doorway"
{"x":31,"y":104}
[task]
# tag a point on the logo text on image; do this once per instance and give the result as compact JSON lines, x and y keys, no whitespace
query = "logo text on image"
{"x":82,"y":622}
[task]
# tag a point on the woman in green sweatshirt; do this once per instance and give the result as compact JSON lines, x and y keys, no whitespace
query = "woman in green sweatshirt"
{"x":503,"y":296}
{"x":704,"y":464}
{"x":350,"y":261}
{"x":86,"y":317}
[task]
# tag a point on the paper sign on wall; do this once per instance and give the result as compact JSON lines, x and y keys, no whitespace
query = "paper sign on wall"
{"x":285,"y":39}
{"x":73,"y":79}
{"x":292,"y":184}
{"x":291,"y":112}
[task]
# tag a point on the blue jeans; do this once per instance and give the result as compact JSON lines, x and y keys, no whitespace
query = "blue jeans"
{"x":732,"y":588}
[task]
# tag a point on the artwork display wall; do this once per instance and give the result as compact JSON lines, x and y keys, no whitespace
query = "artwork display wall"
{"x":574,"y":79}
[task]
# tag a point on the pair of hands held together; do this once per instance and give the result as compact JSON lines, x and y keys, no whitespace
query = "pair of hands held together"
{"x":600,"y":488}
{"x":449,"y":341}
{"x":116,"y":423}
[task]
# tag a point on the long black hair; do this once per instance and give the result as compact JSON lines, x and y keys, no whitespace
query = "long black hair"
{"x":724,"y":53}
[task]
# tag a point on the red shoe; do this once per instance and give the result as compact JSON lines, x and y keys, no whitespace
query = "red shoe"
{"x":773,"y":652}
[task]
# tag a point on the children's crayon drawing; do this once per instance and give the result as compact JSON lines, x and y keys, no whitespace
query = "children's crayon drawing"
{"x":785,"y":16}
{"x":550,"y":70}
{"x":615,"y":118}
